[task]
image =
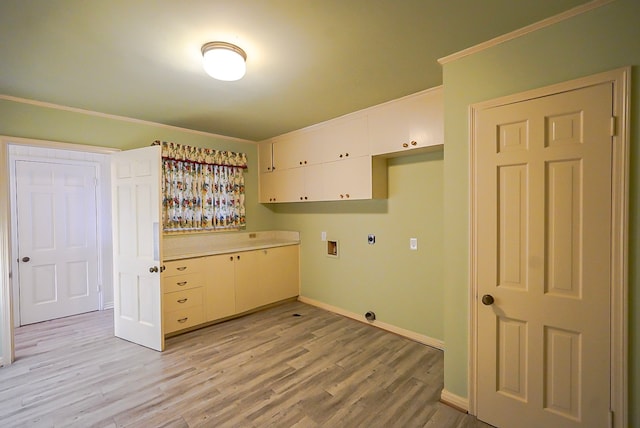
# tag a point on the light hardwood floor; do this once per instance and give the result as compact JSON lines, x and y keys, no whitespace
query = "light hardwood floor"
{"x":271,"y":368}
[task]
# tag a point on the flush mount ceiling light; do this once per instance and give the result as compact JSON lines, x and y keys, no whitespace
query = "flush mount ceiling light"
{"x":224,"y":61}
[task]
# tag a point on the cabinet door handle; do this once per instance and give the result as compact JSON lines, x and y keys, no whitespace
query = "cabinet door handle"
{"x":405,"y":145}
{"x":347,"y":195}
{"x":340,"y":155}
{"x":414,"y":143}
{"x":238,"y":257}
{"x":182,"y":300}
{"x":180,"y":284}
{"x":346,"y":155}
{"x":181,"y":268}
{"x":183,"y":320}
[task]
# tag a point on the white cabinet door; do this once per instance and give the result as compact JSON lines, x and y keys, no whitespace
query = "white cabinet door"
{"x":357,"y":178}
{"x":289,"y":152}
{"x":342,"y":139}
{"x":137,"y":246}
{"x":265,"y":157}
{"x":413,"y":122}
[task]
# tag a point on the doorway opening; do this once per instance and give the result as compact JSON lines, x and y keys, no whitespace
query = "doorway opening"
{"x":69,"y":247}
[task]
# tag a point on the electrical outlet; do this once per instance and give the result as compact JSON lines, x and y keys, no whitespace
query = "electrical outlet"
{"x":413,"y":243}
{"x":323,"y":236}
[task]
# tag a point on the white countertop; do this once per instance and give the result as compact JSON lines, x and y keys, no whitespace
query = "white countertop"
{"x":184,"y":246}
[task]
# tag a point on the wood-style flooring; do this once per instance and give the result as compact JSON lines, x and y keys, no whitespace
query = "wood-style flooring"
{"x":289,"y":366}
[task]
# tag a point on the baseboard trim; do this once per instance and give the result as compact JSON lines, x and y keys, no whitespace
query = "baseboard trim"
{"x":420,"y":338}
{"x":455,"y":401}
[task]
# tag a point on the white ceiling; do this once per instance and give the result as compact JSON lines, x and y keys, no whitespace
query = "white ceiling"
{"x":308,"y":60}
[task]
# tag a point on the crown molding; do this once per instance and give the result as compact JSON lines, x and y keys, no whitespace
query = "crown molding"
{"x":118,"y":118}
{"x":578,"y":10}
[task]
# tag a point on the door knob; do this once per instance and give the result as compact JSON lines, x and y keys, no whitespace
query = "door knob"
{"x":25,"y":259}
{"x":153,"y":269}
{"x":487,"y":299}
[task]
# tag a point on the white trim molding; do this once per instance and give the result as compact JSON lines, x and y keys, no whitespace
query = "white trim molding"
{"x":619,"y":317}
{"x":6,"y":314}
{"x":455,"y":401}
{"x":417,"y":337}
{"x":578,"y":10}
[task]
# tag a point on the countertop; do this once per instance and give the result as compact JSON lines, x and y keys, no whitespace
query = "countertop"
{"x":177,"y":247}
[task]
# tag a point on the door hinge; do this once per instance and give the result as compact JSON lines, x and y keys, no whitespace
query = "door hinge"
{"x":613,"y":126}
{"x":95,"y":182}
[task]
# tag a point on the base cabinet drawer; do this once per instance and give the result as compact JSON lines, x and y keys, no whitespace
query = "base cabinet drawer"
{"x":182,"y":299}
{"x":182,"y":318}
{"x":182,"y":282}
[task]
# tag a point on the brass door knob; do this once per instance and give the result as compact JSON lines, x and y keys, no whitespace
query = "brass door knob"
{"x":25,"y":259}
{"x":487,"y":300}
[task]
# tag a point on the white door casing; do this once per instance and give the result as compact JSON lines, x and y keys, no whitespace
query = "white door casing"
{"x":57,"y":239}
{"x":137,"y":246}
{"x":549,"y":186}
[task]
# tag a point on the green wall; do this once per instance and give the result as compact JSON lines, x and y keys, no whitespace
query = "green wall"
{"x":600,"y":40}
{"x":43,"y":123}
{"x":403,"y":287}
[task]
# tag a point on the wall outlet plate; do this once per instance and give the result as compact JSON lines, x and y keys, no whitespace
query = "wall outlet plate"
{"x":413,"y":243}
{"x":323,"y":236}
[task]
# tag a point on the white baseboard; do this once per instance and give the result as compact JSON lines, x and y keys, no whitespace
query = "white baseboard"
{"x":420,"y":338}
{"x":454,"y":400}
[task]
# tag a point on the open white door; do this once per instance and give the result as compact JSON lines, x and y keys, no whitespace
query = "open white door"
{"x":137,"y":247}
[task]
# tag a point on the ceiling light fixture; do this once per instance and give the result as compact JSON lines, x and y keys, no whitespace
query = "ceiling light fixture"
{"x":224,"y":61}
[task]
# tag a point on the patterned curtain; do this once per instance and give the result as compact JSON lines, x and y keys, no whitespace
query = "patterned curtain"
{"x":202,"y":189}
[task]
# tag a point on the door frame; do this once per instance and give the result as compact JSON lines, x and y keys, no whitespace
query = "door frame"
{"x":620,"y":78}
{"x":7,"y":348}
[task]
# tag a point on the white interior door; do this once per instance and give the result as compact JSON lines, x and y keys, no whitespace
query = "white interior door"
{"x":543,"y":192}
{"x":137,"y":247}
{"x":57,"y":239}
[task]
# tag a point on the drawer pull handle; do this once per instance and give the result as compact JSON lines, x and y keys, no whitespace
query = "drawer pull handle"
{"x":182,"y":300}
{"x":183,"y":320}
{"x":181,"y":268}
{"x":414,"y":143}
{"x":405,"y":145}
{"x":180,"y":284}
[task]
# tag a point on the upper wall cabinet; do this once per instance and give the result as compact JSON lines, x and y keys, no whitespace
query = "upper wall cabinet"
{"x":343,"y":158}
{"x":412,"y":122}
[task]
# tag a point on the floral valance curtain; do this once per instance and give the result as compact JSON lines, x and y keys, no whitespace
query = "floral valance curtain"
{"x":202,"y":189}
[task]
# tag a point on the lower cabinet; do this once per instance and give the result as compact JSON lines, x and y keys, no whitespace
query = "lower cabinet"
{"x":182,"y":298}
{"x":205,"y":289}
{"x":279,"y":273}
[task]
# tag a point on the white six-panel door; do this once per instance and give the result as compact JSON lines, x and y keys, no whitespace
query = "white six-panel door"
{"x":137,"y":247}
{"x":57,"y":239}
{"x":543,"y":191}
